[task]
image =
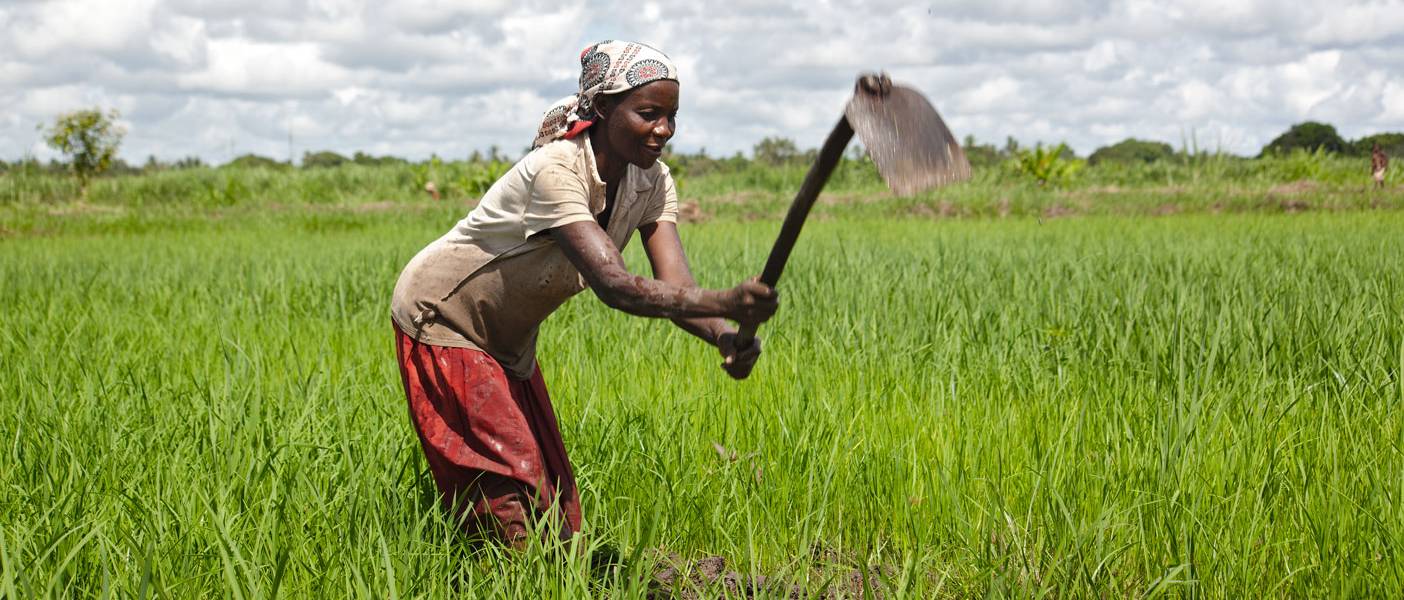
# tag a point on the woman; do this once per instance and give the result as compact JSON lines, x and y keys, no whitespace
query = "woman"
{"x":466,"y":309}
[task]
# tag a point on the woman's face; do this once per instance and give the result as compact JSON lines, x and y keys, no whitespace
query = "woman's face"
{"x":642,"y":121}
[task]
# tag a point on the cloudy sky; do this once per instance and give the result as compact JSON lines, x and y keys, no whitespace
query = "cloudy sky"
{"x":219,"y":78}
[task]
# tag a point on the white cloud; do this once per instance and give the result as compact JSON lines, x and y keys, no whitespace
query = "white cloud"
{"x":1309,"y":82}
{"x":1100,"y":56}
{"x":246,"y":68}
{"x":1001,"y":91}
{"x":414,"y":77}
{"x":38,"y":100}
{"x":1195,"y":100}
{"x":183,"y":42}
{"x":1393,"y":100}
{"x":1359,"y":23}
{"x":69,"y":25}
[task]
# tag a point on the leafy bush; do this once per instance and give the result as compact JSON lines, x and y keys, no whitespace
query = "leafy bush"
{"x":1132,"y":150}
{"x":481,"y":177}
{"x":254,"y":161}
{"x":1046,"y":165}
{"x":89,"y":138}
{"x":323,"y":159}
{"x":363,"y":159}
{"x":980,"y":155}
{"x":776,"y":151}
{"x":227,"y":192}
{"x":1391,"y":143}
{"x":1308,"y":136}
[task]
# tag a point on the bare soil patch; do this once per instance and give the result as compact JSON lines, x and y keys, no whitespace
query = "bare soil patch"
{"x":736,"y":198}
{"x":1057,"y":210}
{"x":869,"y":198}
{"x":942,"y":209}
{"x":1166,"y":209}
{"x":1296,"y":188}
{"x":691,"y":212}
{"x":711,"y":577}
{"x":77,"y":209}
{"x":377,"y":207}
{"x":1287,"y":197}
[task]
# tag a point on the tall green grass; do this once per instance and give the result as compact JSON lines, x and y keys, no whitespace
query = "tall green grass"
{"x":1187,"y":406}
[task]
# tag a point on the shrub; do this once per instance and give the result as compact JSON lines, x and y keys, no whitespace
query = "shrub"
{"x":1132,"y":150}
{"x":1046,"y":165}
{"x":1391,"y":143}
{"x":89,"y":138}
{"x":980,"y":155}
{"x":776,"y":151}
{"x":1309,"y":136}
{"x":254,"y":161}
{"x":323,"y":159}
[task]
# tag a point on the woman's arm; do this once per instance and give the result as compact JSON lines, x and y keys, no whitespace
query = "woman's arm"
{"x":665,"y":253}
{"x":594,"y":255}
{"x":669,"y":261}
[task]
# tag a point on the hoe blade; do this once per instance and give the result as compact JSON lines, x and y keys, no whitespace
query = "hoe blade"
{"x":912,"y":148}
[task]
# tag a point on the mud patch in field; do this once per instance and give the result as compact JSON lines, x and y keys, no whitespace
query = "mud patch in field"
{"x":691,"y":212}
{"x":944,"y":210}
{"x":711,"y":577}
{"x":1166,"y":210}
{"x":377,"y":207}
{"x":1296,"y":188}
{"x":77,"y":209}
{"x":1055,"y":210}
{"x":738,"y":198}
{"x":1287,"y":197}
{"x":855,"y":198}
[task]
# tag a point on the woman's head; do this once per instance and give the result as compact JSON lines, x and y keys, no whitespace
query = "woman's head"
{"x":609,"y":69}
{"x":635,"y":125}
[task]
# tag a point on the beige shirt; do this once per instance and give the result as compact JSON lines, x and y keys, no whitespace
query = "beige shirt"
{"x":491,"y":280}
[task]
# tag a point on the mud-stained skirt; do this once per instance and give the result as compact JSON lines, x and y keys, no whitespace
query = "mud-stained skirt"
{"x":492,"y":441}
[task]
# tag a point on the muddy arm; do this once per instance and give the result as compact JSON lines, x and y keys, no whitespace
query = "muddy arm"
{"x":665,"y":253}
{"x":669,"y":262}
{"x":595,"y":256}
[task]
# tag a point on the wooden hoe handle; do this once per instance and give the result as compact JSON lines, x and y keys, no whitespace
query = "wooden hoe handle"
{"x":814,"y":181}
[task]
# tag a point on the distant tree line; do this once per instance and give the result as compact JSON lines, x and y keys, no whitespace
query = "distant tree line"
{"x":89,"y":139}
{"x":1312,"y":136}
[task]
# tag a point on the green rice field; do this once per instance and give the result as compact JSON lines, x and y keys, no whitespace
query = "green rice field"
{"x":1197,"y":404}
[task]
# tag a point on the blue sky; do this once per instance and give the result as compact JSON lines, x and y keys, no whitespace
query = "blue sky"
{"x":218,"y":78}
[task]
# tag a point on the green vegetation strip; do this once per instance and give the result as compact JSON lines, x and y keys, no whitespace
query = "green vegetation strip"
{"x":37,"y":201}
{"x":1100,"y":406}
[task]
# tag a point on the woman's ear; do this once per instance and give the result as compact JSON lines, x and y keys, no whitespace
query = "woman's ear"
{"x":604,"y":103}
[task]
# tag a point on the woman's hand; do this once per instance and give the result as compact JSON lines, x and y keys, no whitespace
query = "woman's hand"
{"x":751,"y":302}
{"x":737,"y":362}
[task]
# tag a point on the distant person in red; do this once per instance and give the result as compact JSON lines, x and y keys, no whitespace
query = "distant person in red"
{"x":1378,"y":164}
{"x":466,"y":309}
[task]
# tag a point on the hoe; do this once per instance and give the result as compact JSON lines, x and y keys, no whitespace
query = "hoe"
{"x":910,"y":145}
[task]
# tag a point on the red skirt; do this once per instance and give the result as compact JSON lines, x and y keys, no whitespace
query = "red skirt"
{"x":492,"y":442}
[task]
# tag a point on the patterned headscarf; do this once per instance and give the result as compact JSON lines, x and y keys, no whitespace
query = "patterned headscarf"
{"x":608,"y":67}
